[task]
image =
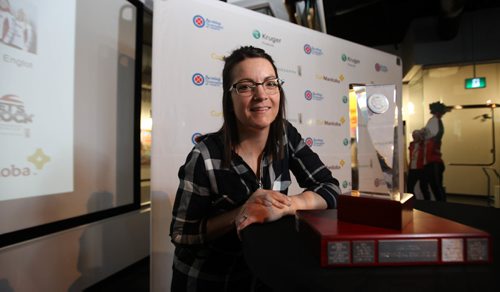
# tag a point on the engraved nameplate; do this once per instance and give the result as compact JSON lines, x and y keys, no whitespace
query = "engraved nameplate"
{"x":339,"y":252}
{"x":400,"y":251}
{"x":477,"y":249}
{"x":452,"y":249}
{"x":363,"y":251}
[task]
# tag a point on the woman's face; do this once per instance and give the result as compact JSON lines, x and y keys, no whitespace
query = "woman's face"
{"x":257,"y":111}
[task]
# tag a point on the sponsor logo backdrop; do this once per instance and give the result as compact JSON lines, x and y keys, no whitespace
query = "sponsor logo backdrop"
{"x":190,"y":39}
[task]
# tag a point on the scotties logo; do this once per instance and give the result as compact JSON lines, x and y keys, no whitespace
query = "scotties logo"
{"x":195,"y":138}
{"x":310,"y":50}
{"x":201,"y":22}
{"x":352,"y":62}
{"x":380,"y":68}
{"x":345,"y":142}
{"x":307,"y":49}
{"x":310,"y":95}
{"x":198,"y":79}
{"x":314,"y":142}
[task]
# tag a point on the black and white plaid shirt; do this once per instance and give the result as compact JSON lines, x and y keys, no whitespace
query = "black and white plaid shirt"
{"x":206,"y":189}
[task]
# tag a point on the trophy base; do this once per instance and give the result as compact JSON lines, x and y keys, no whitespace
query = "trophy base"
{"x":376,"y":210}
{"x":426,"y":240}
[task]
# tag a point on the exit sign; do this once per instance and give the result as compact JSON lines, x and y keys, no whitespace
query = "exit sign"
{"x":479,"y":82}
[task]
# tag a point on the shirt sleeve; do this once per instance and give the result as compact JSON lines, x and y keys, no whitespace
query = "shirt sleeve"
{"x":309,"y":170}
{"x":192,"y":202}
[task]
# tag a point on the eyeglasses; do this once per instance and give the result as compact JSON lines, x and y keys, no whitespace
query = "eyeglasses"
{"x":247,"y":88}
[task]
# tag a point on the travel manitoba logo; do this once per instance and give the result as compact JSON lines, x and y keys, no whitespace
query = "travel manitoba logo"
{"x":352,"y":62}
{"x":13,"y":113}
{"x":39,"y":159}
{"x":310,"y":95}
{"x":266,"y":39}
{"x":199,"y":79}
{"x":316,"y":142}
{"x":201,"y":22}
{"x":310,"y":50}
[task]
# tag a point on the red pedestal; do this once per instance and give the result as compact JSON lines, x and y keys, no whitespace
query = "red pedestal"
{"x":427,"y":239}
{"x":380,"y":212}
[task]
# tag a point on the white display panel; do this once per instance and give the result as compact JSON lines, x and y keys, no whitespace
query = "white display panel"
{"x":74,"y":85}
{"x":36,"y":108}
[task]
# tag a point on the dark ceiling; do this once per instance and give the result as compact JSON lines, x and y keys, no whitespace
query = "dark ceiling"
{"x":385,"y":22}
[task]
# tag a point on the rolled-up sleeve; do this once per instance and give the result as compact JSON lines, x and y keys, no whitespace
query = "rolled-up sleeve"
{"x":309,"y":170}
{"x":192,"y":202}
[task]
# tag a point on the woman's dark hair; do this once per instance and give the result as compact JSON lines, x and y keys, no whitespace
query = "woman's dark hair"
{"x":229,"y":129}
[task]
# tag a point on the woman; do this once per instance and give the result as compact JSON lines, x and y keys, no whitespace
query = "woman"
{"x":239,"y":176}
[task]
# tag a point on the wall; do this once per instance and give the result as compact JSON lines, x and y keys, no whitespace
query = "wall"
{"x":74,"y":259}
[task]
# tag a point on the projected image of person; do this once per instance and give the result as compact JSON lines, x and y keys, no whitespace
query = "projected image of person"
{"x":240,"y":176}
{"x":16,"y":28}
{"x":6,"y":21}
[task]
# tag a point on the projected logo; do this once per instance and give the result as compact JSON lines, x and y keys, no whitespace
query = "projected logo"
{"x":314,"y":142}
{"x":199,"y":79}
{"x":201,"y":22}
{"x":39,"y":159}
{"x":266,"y":38}
{"x":310,"y":50}
{"x":310,"y":95}
{"x":352,"y":62}
{"x":195,"y":138}
{"x":13,"y":113}
{"x":381,"y":68}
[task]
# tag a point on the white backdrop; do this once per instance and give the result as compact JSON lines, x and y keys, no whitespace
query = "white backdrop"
{"x":190,"y":39}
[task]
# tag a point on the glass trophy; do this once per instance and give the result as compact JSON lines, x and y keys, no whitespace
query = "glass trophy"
{"x":377,"y":196}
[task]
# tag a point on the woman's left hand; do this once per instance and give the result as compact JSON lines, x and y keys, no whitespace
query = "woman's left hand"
{"x":255,"y":212}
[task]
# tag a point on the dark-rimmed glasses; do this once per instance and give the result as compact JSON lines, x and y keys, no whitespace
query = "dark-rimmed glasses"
{"x":247,"y":88}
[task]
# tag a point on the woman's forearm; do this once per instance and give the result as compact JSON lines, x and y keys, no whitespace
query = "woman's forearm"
{"x":221,"y":224}
{"x":307,"y":201}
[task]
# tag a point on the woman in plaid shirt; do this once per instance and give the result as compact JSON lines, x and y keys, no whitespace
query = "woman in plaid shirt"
{"x":239,"y":176}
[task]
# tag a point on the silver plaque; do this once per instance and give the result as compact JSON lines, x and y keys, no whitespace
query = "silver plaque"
{"x":477,"y":249}
{"x":339,"y":252}
{"x":408,"y":250}
{"x":452,"y":249}
{"x":363,"y":251}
